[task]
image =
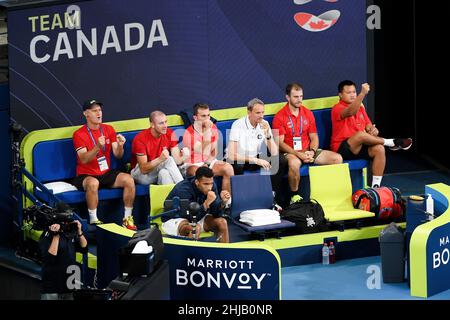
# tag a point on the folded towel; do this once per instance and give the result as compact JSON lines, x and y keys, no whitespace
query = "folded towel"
{"x":258,"y":223}
{"x":59,"y":187}
{"x":259,"y":213}
{"x":259,"y":217}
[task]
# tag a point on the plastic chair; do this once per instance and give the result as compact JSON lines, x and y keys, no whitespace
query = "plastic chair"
{"x":331,"y":186}
{"x":250,"y":192}
{"x":158,"y":194}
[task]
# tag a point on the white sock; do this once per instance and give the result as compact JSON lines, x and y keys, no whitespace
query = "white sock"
{"x":92,"y":215}
{"x":389,"y":142}
{"x":128,"y":211}
{"x":376,"y":180}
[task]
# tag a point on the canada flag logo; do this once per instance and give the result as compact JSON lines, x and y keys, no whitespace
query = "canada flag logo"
{"x":314,"y":23}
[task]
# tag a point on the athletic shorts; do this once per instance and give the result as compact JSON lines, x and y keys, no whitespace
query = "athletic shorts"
{"x":347,"y":154}
{"x":106,"y":180}
{"x":171,"y":226}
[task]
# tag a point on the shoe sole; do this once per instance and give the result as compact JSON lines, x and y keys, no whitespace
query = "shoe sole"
{"x":407,"y":147}
{"x":400,"y":148}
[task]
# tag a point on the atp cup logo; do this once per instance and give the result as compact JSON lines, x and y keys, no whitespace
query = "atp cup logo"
{"x":314,"y":23}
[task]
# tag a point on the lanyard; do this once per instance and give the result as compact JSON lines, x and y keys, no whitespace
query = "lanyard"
{"x":293,"y":128}
{"x":92,"y":137}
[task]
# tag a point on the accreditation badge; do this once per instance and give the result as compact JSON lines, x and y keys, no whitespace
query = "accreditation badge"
{"x":102,"y":163}
{"x":297,"y":143}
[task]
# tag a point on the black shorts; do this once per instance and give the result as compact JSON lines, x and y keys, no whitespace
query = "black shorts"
{"x":106,"y":180}
{"x":347,"y":154}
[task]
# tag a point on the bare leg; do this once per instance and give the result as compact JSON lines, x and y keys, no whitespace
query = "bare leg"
{"x":294,"y":164}
{"x":90,"y":185}
{"x":219,"y":226}
{"x":377,"y":153}
{"x":360,"y":138}
{"x":225,"y":170}
{"x":328,"y":157}
{"x":125,"y":181}
{"x":185,"y":230}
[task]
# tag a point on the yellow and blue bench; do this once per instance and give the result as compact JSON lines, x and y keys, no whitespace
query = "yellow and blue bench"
{"x":49,"y":154}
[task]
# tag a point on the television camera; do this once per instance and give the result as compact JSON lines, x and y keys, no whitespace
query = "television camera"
{"x":43,"y":216}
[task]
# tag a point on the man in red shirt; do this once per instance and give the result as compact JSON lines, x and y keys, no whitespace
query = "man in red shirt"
{"x":93,"y":143}
{"x":151,"y":153}
{"x":201,"y":139}
{"x":298,"y":138}
{"x":354,"y":136}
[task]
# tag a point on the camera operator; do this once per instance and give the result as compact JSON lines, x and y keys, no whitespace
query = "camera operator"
{"x":58,"y":246}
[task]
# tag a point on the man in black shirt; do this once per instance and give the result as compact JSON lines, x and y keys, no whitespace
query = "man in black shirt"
{"x":203,"y":190}
{"x":58,"y":253}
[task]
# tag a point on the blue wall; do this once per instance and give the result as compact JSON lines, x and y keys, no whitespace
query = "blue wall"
{"x":217,"y":51}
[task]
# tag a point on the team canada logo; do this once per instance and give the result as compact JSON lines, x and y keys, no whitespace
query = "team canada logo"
{"x":314,"y":23}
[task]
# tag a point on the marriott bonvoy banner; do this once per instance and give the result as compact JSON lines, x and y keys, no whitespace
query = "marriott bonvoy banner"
{"x":139,"y":55}
{"x":204,"y":271}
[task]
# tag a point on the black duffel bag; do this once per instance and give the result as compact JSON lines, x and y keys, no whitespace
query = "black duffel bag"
{"x":308,"y":216}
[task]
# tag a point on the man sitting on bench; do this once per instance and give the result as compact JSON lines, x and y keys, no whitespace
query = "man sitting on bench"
{"x":354,"y":136}
{"x":250,"y":139}
{"x":202,"y":140}
{"x":298,"y":138}
{"x":203,"y":190}
{"x":93,"y":143}
{"x":155,"y":153}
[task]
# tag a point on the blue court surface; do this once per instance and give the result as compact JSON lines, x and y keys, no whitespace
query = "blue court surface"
{"x":344,"y":280}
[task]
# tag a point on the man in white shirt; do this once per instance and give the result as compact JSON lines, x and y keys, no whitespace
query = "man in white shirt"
{"x":250,"y":139}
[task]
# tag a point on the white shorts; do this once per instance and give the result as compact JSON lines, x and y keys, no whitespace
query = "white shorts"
{"x":171,"y":226}
{"x":200,"y":164}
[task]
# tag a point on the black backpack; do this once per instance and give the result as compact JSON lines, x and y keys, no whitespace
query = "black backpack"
{"x":308,"y":216}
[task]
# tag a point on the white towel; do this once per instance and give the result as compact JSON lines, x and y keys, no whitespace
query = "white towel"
{"x":260,"y":217}
{"x":260,"y":213}
{"x":59,"y":187}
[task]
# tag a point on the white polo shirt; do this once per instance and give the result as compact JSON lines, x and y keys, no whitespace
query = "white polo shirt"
{"x":250,"y":139}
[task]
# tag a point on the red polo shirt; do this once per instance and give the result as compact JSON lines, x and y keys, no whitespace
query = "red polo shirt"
{"x":191,"y":136}
{"x":300,"y":126}
{"x":146,"y":144}
{"x":82,"y":139}
{"x":345,"y":128}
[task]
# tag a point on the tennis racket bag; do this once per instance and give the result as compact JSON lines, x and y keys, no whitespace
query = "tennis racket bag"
{"x":385,"y":202}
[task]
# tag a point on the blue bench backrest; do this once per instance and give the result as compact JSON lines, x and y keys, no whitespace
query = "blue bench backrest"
{"x":56,"y":160}
{"x":323,"y":124}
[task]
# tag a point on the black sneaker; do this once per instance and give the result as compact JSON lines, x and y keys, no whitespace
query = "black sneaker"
{"x":401,"y":144}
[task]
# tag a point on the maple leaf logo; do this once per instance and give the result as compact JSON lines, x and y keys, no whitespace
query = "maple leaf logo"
{"x":319,"y":25}
{"x":313,"y":23}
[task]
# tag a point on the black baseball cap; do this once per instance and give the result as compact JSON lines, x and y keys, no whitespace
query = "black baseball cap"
{"x":89,"y":103}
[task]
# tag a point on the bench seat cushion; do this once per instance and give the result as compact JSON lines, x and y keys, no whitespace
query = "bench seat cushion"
{"x":304,"y":170}
{"x":284,"y":224}
{"x":72,"y":197}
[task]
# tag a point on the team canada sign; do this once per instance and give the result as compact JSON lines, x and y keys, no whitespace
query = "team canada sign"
{"x":75,"y":42}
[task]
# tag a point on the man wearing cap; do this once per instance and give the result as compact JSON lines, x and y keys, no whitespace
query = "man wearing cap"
{"x":155,"y":153}
{"x":93,"y":143}
{"x":298,"y":138}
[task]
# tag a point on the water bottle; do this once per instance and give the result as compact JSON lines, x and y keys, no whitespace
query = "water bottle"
{"x":430,"y":207}
{"x":332,"y":253}
{"x":325,"y":254}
